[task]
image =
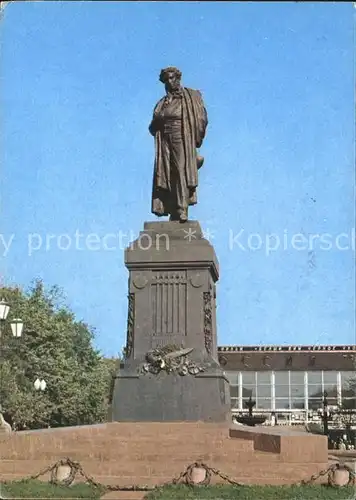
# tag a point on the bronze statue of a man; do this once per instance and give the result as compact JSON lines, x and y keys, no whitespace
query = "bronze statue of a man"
{"x":178,"y":126}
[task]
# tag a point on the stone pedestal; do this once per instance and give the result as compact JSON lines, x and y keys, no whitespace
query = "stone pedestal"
{"x":172,"y":276}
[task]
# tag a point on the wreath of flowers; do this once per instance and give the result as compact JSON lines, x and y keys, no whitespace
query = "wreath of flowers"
{"x":189,"y":474}
{"x":340,"y":466}
{"x":68,"y":480}
{"x":170,"y":358}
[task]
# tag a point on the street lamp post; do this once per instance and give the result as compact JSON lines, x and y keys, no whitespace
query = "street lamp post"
{"x":325,"y":414}
{"x":40,"y":385}
{"x":16,"y":324}
{"x":16,"y":329}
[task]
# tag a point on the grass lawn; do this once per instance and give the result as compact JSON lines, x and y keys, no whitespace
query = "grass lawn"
{"x":41,"y":489}
{"x":225,"y":492}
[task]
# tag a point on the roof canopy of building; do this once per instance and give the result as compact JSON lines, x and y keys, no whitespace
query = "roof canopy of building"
{"x":284,"y":357}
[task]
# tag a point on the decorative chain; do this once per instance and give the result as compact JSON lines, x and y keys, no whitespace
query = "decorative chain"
{"x":316,"y":476}
{"x":186,"y":476}
{"x":332,"y":468}
{"x":76,"y":468}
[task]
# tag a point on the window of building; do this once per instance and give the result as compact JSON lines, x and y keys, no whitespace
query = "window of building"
{"x":348,"y":384}
{"x":297,"y":378}
{"x":297,"y":391}
{"x":315,"y":390}
{"x":264,"y":391}
{"x":346,"y":377}
{"x":233,"y":377}
{"x":249,"y":385}
{"x":349,"y":403}
{"x":290,"y":389}
{"x":234,"y":391}
{"x":331,"y":390}
{"x":330,"y":378}
{"x":282,"y":391}
{"x":234,"y":403}
{"x":315,"y":378}
{"x":281,"y":378}
{"x":248,"y":392}
{"x":249,"y":378}
{"x":298,"y":404}
{"x":348,"y":390}
{"x":264,"y":378}
{"x":282,"y":388}
{"x":315,"y":403}
{"x":330,"y":386}
{"x":332,"y":400}
{"x":263,"y":403}
{"x":282,"y":403}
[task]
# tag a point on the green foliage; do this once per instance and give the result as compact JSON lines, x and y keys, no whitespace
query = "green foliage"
{"x":228,"y":492}
{"x":57,"y":348}
{"x":40,"y":489}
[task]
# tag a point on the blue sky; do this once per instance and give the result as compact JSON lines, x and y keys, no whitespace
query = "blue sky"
{"x":79,"y":82}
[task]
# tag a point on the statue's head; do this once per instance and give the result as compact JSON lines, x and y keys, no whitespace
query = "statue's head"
{"x":171,"y":78}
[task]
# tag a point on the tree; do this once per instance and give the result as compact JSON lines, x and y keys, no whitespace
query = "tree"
{"x":349,"y":395}
{"x":58,"y":349}
{"x":347,"y":411}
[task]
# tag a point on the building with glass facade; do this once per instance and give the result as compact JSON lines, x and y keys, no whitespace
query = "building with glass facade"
{"x":289,"y":381}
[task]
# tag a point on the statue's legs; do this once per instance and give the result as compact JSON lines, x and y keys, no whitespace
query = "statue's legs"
{"x":179,"y":188}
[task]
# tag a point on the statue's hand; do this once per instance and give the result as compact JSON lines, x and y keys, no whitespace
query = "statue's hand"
{"x":200,"y":161}
{"x":156,"y":124}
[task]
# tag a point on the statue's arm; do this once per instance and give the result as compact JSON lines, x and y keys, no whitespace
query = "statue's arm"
{"x":156,"y":120}
{"x":202,"y":119}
